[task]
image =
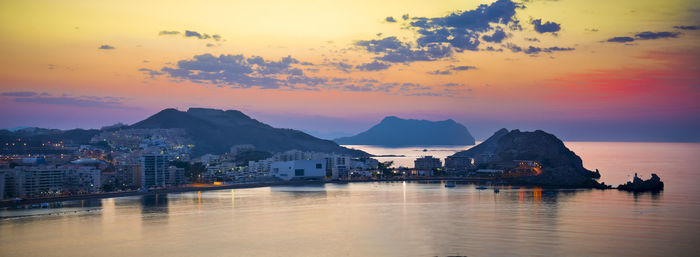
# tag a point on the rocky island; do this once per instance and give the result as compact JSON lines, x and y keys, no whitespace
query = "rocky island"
{"x":532,"y":158}
{"x":653,"y":184}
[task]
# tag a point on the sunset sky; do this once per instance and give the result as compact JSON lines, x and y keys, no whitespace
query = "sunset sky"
{"x":582,"y":69}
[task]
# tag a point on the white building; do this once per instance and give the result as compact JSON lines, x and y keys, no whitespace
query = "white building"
{"x":34,"y":182}
{"x":299,"y":169}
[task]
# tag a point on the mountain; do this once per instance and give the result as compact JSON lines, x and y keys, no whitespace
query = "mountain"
{"x":394,"y":131}
{"x":560,"y":166}
{"x":215,"y":131}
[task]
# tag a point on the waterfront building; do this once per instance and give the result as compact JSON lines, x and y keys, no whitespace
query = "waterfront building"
{"x":427,"y":163}
{"x":33,"y":181}
{"x":176,"y":176}
{"x":154,"y":170}
{"x":80,"y":180}
{"x":299,"y":169}
{"x":458,"y":163}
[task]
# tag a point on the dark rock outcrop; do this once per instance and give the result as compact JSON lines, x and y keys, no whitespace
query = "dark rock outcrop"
{"x":394,"y":131}
{"x":560,"y":167}
{"x":653,"y":184}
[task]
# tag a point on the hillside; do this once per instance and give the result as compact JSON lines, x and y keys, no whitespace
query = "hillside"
{"x":394,"y":131}
{"x":215,"y":131}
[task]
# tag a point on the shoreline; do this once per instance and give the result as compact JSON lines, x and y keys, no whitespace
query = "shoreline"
{"x":9,"y":203}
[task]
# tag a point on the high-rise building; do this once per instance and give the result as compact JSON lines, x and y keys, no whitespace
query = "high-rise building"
{"x":427,"y":163}
{"x":154,"y":170}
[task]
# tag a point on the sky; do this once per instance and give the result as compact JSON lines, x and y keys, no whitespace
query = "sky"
{"x":582,"y":69}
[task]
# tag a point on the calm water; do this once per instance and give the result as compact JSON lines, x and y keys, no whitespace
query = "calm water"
{"x":388,"y":219}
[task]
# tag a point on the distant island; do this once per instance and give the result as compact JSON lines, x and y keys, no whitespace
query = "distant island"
{"x":394,"y":131}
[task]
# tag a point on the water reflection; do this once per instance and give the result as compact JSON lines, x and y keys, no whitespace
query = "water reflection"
{"x":154,"y":207}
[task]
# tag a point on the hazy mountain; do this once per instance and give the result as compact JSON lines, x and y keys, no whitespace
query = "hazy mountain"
{"x":215,"y":131}
{"x":560,"y":166}
{"x":394,"y":131}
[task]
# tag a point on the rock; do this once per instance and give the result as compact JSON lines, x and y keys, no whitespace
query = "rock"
{"x":560,"y":166}
{"x":654,"y":184}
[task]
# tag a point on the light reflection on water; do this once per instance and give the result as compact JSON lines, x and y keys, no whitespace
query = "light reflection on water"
{"x":387,"y":219}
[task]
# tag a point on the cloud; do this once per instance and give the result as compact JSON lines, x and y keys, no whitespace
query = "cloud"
{"x":344,"y":67}
{"x":365,"y":88}
{"x":394,"y":51}
{"x":190,"y":33}
{"x":620,"y":39}
{"x":166,"y":33}
{"x":390,"y":19}
{"x":648,"y":35}
{"x":462,"y":68}
{"x":373,"y":66}
{"x":19,"y":93}
{"x":463,"y":29}
{"x":496,"y":37}
{"x":533,"y":50}
{"x":106,"y":47}
{"x":449,"y":69}
{"x":68,"y":100}
{"x":558,"y":49}
{"x":239,"y":71}
{"x":546,"y":27}
{"x":687,"y":27}
{"x":440,"y":72}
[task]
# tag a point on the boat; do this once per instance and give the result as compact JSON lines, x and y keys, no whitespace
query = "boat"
{"x":450,"y":185}
{"x":481,"y":188}
{"x":496,"y":190}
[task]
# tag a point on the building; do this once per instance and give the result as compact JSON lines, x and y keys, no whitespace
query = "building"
{"x":176,"y":176}
{"x":2,"y":185}
{"x":154,"y":170}
{"x":427,"y":163}
{"x":82,"y":180}
{"x":33,"y":182}
{"x":338,"y":166}
{"x":458,"y":163}
{"x":299,"y":170}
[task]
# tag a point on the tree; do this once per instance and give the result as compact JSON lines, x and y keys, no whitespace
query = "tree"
{"x":194,"y":171}
{"x":385,"y":169}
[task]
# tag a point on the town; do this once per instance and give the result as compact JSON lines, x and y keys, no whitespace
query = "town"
{"x":139,"y":160}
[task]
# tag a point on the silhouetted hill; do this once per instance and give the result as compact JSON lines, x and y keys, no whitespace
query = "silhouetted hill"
{"x":560,"y":166}
{"x":215,"y":131}
{"x":393,"y":131}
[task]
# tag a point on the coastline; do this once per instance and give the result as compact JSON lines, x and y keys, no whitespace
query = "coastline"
{"x":9,"y":203}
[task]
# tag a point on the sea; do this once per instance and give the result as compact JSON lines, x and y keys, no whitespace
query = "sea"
{"x":389,"y":218}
